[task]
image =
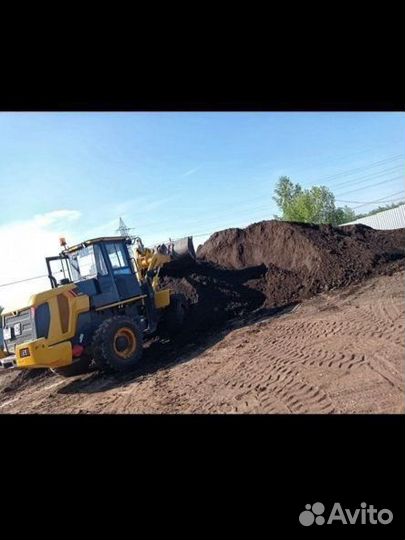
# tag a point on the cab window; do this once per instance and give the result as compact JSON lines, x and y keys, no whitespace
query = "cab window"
{"x":102,"y":268}
{"x":87,"y":262}
{"x":118,"y":259}
{"x":84,"y":262}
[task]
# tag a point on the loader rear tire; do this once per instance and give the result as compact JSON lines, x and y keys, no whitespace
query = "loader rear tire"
{"x":117,"y":344}
{"x":78,"y":367}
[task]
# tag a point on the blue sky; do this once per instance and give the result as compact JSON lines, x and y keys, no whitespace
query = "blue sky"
{"x":172,"y":174}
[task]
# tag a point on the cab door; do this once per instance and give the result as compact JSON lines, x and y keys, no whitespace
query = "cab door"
{"x":121,"y":269}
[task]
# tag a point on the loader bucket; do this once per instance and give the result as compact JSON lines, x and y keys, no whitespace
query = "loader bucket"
{"x":181,"y":252}
{"x":183,"y":249}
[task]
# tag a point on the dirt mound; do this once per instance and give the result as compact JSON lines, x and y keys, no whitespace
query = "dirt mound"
{"x":274,"y":263}
{"x":301,"y":247}
{"x":214,"y":294}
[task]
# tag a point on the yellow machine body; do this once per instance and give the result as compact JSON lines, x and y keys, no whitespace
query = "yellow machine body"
{"x":55,"y":350}
{"x":66,"y":302}
{"x":162,"y":298}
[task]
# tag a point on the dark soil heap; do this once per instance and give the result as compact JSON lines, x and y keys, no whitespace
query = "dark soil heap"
{"x":274,"y":263}
{"x":269,"y":264}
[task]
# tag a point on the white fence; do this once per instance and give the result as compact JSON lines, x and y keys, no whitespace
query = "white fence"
{"x":387,"y":219}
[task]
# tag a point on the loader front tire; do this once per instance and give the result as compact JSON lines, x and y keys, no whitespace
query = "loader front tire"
{"x":175,"y":314}
{"x":78,"y":367}
{"x":117,"y":344}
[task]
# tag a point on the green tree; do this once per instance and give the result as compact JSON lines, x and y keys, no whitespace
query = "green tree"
{"x":344,"y":215}
{"x":314,"y":205}
{"x":285,"y":192}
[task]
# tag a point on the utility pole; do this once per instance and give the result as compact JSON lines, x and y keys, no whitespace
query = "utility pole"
{"x":122,"y":228}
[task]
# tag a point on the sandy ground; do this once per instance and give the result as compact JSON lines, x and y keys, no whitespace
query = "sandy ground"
{"x":341,"y":352}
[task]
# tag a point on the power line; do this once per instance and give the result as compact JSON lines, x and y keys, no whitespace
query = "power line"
{"x":218,"y":227}
{"x":221,"y":225}
{"x":350,"y":171}
{"x":333,"y":158}
{"x":22,"y":280}
{"x":386,"y":181}
{"x":245,"y":210}
{"x":29,"y":279}
{"x":372,"y":202}
{"x":378,"y":147}
{"x":369,"y":149}
{"x":355,"y":181}
{"x":341,"y":174}
{"x":366,"y":177}
{"x":400,"y":199}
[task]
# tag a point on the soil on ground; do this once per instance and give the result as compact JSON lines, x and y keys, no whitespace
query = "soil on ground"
{"x":339,"y":352}
{"x":303,"y":356}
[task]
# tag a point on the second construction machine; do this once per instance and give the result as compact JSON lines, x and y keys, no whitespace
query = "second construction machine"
{"x":107,"y":301}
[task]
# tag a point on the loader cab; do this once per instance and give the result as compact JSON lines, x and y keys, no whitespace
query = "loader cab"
{"x":100,"y":268}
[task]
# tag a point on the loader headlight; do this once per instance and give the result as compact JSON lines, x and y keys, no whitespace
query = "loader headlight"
{"x":24,"y":352}
{"x":7,"y":333}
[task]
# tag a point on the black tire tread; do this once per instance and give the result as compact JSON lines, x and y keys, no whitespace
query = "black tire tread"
{"x":174,"y":318}
{"x":101,"y":341}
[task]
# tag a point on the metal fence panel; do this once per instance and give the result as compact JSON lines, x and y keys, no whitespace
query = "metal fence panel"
{"x":387,"y":219}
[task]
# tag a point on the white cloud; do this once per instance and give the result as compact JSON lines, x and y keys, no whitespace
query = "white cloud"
{"x":23,"y":248}
{"x":56,"y":215}
{"x":191,"y":171}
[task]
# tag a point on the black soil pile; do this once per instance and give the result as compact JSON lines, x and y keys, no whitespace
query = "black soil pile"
{"x":273,"y":263}
{"x":214,"y":294}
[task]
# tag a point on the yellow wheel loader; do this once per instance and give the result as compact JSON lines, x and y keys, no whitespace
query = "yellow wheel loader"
{"x":107,"y":300}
